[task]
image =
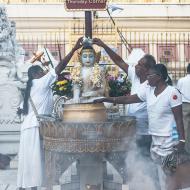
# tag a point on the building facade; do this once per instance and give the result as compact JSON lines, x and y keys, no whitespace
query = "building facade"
{"x":158,"y":27}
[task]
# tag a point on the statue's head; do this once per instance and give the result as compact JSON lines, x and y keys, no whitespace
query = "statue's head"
{"x":87,"y":56}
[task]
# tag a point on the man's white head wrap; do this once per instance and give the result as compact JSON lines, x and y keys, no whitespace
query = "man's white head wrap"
{"x":135,"y":56}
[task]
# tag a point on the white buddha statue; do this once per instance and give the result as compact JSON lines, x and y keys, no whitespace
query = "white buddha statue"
{"x":88,"y":77}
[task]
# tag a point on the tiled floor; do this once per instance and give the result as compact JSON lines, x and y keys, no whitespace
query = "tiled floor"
{"x":8,"y":181}
{"x":8,"y":178}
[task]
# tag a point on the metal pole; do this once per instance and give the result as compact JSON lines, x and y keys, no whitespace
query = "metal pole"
{"x":49,"y":58}
{"x":127,"y":45}
{"x":88,"y":24}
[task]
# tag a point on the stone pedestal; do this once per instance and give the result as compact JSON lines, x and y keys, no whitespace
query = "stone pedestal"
{"x":91,"y":171}
{"x":90,"y":145}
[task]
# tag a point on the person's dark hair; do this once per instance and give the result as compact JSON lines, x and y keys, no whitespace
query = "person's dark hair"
{"x":161,"y":70}
{"x":150,"y":61}
{"x":31,"y":72}
{"x":188,"y":68}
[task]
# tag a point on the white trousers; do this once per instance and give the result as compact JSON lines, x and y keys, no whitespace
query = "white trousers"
{"x":29,"y":160}
{"x":161,"y":147}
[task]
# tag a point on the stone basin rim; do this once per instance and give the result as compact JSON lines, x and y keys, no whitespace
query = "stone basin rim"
{"x":110,"y":122}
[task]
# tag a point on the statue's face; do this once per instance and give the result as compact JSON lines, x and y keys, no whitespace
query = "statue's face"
{"x":87,"y":57}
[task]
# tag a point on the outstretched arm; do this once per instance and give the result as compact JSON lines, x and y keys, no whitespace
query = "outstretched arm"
{"x":114,"y":56}
{"x":63,"y":63}
{"x":120,"y":100}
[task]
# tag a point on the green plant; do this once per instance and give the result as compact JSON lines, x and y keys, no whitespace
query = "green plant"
{"x":63,"y":87}
{"x":118,"y":86}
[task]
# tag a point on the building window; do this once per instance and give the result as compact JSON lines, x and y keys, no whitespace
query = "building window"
{"x":105,"y":58}
{"x":53,"y":48}
{"x":29,"y":50}
{"x":167,"y":53}
{"x":144,"y":47}
{"x":187,"y":52}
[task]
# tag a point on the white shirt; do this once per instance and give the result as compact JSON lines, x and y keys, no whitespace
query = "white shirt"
{"x":184,"y":87}
{"x":161,"y":118}
{"x":42,"y":96}
{"x":139,"y":110}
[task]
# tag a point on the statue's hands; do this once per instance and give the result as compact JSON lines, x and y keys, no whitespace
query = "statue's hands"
{"x":98,"y":42}
{"x":78,"y":43}
{"x":100,"y":100}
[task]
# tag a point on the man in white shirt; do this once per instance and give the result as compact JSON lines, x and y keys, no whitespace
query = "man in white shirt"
{"x":137,"y":74}
{"x":164,"y":105}
{"x":184,"y":87}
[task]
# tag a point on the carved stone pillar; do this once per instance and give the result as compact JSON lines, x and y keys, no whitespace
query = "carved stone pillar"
{"x":10,"y":98}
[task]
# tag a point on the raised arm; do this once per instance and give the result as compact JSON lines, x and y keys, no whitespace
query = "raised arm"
{"x":114,"y":56}
{"x":63,"y":63}
{"x":120,"y":100}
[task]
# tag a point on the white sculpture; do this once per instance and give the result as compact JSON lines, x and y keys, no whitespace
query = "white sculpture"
{"x":88,"y":77}
{"x":10,"y":96}
{"x":11,"y":53}
{"x":6,"y":46}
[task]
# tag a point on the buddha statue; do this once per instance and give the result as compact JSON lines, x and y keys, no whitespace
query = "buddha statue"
{"x":88,"y":83}
{"x":88,"y":77}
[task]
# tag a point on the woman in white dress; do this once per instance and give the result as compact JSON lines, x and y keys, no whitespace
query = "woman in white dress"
{"x":164,"y":106}
{"x":38,"y":88}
